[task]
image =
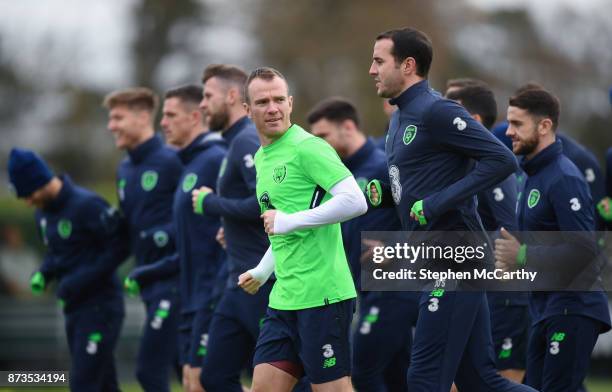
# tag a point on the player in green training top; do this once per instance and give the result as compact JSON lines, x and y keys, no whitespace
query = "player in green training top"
{"x":304,"y":191}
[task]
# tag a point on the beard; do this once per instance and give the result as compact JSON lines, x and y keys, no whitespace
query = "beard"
{"x":527,"y":145}
{"x":218,"y":121}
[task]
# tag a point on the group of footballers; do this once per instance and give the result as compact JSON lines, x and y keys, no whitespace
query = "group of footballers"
{"x":246,"y":229}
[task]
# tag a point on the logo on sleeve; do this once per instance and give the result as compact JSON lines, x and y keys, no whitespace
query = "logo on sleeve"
{"x":575,"y":204}
{"x":498,"y":194}
{"x":533,"y":198}
{"x":121,"y":188}
{"x":189,"y":182}
{"x":248,"y":161}
{"x":409,"y":134}
{"x":160,"y":238}
{"x":148,"y":180}
{"x":396,"y":185}
{"x":43,"y":230}
{"x":264,"y":202}
{"x":279,"y":173}
{"x":589,"y":175}
{"x":223,"y":167}
{"x":459,"y":123}
{"x":64,"y":228}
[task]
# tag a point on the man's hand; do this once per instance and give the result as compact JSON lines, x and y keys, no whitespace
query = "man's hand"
{"x":268,"y":221}
{"x":131,"y":287}
{"x":248,"y":283}
{"x":220,"y":237}
{"x":37,"y":283}
{"x":368,"y":246}
{"x":374,"y":193}
{"x":417,"y":213}
{"x":603,"y":207}
{"x":507,"y":250}
{"x":197,"y":198}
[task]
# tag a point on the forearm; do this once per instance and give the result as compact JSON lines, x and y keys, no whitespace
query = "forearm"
{"x":246,"y":209}
{"x":488,"y":172}
{"x":265,"y":268}
{"x":161,"y":269}
{"x":346,"y":203}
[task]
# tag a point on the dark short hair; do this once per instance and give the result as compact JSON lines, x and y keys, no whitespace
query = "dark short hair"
{"x":334,"y":109}
{"x":265,"y":73}
{"x":477,"y":99}
{"x":464,"y":82}
{"x":227,"y":73}
{"x":188,"y":93}
{"x":529,"y":86}
{"x":538,"y":102}
{"x":135,"y":98}
{"x":413,"y":43}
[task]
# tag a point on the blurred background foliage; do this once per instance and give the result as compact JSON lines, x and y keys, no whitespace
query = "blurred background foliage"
{"x":59,"y":58}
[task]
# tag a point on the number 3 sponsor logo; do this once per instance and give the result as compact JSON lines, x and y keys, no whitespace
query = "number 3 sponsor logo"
{"x":575,"y":204}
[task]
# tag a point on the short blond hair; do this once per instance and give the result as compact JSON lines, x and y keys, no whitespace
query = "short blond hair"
{"x":135,"y":98}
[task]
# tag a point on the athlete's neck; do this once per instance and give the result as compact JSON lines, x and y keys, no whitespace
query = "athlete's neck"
{"x":409,"y":82}
{"x":269,"y":138}
{"x":354,"y":144}
{"x":545,"y":141}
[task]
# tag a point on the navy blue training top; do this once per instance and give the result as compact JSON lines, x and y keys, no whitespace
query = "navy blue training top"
{"x":555,"y":197}
{"x":430,"y":147}
{"x":82,"y":233}
{"x":146,"y":181}
{"x":235,"y":201}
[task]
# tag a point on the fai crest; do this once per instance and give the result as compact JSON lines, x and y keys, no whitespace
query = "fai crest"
{"x":409,"y":134}
{"x":280,"y":172}
{"x":64,"y":228}
{"x":148,"y":180}
{"x":533,"y":198}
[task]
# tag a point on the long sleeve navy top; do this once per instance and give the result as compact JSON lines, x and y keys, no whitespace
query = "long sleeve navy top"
{"x":147,"y":179}
{"x":430,"y":147}
{"x":556,"y":197}
{"x":84,"y":247}
{"x":235,"y":201}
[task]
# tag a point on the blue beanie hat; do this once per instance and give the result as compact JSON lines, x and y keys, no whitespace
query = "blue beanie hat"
{"x":27,"y":172}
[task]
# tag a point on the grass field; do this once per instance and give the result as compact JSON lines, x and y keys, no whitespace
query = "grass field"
{"x":595,"y":385}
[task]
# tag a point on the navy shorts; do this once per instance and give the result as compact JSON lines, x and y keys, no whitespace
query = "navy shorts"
{"x":317,"y":338}
{"x":198,"y":347}
{"x":510,"y":332}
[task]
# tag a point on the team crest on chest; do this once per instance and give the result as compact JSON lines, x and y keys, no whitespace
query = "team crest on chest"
{"x":64,"y":228}
{"x":533,"y":198}
{"x":409,"y":134}
{"x":148,"y":180}
{"x":279,"y":173}
{"x":189,"y":182}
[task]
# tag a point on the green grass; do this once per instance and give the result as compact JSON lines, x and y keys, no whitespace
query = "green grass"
{"x":599,"y":385}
